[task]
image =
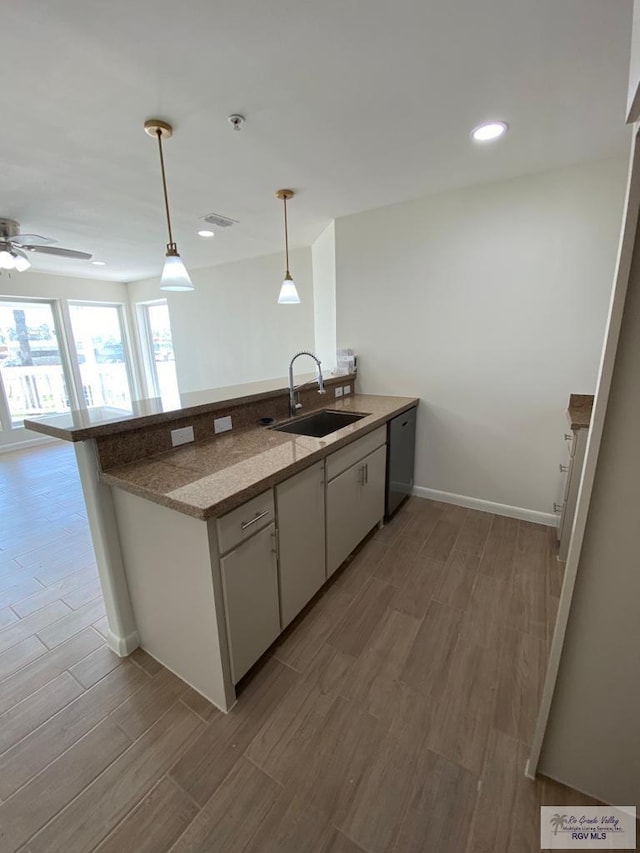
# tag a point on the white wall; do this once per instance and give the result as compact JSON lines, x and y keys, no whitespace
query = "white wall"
{"x":489,"y":303}
{"x":323,"y":259}
{"x":231,"y":330}
{"x":44,"y":286}
{"x":592,"y":740}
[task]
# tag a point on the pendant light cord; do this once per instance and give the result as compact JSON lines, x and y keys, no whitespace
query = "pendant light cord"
{"x":286,"y":235}
{"x":164,"y":188}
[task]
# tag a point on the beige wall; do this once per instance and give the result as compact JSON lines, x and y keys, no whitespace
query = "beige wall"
{"x":592,"y":740}
{"x":490,"y":304}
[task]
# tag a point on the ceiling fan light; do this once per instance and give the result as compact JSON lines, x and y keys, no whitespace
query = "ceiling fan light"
{"x":174,"y":275}
{"x":288,"y":292}
{"x":7,"y":260}
{"x":21,"y":262}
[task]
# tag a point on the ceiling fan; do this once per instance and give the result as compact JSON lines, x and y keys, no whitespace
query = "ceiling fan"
{"x":14,"y":247}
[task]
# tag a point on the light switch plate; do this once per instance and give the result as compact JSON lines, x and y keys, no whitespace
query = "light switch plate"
{"x":181,"y":436}
{"x":222,"y":424}
{"x":338,"y":392}
{"x":346,"y":390}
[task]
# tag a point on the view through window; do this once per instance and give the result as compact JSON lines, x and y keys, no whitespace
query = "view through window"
{"x":30,"y":361}
{"x":102,"y":357}
{"x":39,"y":371}
{"x":161,"y":343}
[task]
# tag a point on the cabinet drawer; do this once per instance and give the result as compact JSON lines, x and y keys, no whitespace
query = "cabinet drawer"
{"x":352,"y":453}
{"x":243,"y":522}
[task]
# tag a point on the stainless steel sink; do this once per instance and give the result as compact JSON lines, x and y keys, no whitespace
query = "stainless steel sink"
{"x":319,"y":424}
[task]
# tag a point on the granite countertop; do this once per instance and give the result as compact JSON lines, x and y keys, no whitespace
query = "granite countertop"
{"x":100,"y":421}
{"x":579,"y":410}
{"x":212,"y":477}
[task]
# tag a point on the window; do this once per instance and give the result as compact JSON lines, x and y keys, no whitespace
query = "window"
{"x":57,"y":355}
{"x":155,"y":332}
{"x":31,"y":363}
{"x":101,"y":354}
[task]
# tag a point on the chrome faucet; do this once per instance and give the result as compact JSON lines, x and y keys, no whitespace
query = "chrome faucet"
{"x":293,"y":405}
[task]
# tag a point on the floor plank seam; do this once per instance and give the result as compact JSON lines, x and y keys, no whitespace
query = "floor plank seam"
{"x":192,"y":799}
{"x":53,"y":761}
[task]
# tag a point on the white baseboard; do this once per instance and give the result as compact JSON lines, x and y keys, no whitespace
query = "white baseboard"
{"x":122,"y":646}
{"x":550,"y":519}
{"x":28,"y":442}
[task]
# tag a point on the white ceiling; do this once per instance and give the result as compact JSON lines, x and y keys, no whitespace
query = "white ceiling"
{"x":353,"y":103}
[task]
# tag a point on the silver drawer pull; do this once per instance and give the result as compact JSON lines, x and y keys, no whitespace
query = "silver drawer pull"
{"x":563,"y":468}
{"x":366,"y":473}
{"x":259,"y":515}
{"x":557,"y":507}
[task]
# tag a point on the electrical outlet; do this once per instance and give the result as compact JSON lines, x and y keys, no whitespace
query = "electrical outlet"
{"x":222,"y":424}
{"x":181,"y":436}
{"x":338,"y":392}
{"x":346,"y":390}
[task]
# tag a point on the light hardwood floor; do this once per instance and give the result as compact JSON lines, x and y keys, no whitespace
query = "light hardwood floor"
{"x":394,"y":715}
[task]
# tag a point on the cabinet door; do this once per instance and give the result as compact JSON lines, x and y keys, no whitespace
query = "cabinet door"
{"x":250,"y":583}
{"x":372,"y":492}
{"x":343,"y":515}
{"x":301,"y":527}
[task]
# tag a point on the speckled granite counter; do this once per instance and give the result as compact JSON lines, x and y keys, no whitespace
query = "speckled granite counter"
{"x":579,"y":410}
{"x":104,"y":421}
{"x":211,"y":477}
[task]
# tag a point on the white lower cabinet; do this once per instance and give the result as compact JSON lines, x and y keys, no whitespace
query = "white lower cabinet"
{"x":300,"y":509}
{"x":355,"y":503}
{"x":318,"y":527}
{"x":250,"y":585}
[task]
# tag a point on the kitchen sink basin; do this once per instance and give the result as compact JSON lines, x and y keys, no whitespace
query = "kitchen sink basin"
{"x":320,"y":424}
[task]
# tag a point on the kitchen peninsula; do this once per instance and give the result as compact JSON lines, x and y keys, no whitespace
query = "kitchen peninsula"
{"x":207,"y":551}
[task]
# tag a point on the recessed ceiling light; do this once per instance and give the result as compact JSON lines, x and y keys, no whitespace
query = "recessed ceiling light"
{"x":98,"y":263}
{"x":489,"y":131}
{"x":206,"y":233}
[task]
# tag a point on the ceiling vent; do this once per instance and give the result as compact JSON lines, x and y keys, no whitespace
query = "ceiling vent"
{"x":220,"y":221}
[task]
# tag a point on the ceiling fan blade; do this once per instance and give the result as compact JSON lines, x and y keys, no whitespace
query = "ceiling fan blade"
{"x":56,"y":250}
{"x":31,"y":240}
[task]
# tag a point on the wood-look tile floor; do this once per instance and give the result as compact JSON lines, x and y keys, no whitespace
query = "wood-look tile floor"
{"x":395,"y":714}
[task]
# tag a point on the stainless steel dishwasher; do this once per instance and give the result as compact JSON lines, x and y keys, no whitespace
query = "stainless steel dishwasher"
{"x":401,"y":442}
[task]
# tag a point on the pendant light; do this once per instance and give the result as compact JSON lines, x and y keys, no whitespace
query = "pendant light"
{"x":174,"y":275}
{"x":288,"y":292}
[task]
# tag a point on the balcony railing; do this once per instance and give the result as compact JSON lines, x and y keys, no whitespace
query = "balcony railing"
{"x":41,"y":390}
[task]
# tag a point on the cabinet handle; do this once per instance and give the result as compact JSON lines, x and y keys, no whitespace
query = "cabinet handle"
{"x":563,"y":468}
{"x":275,"y":538}
{"x":568,"y":436}
{"x":361,"y":475}
{"x":259,"y":515}
{"x":557,"y":507}
{"x":366,"y":472}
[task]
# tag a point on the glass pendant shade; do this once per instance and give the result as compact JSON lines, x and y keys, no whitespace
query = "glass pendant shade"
{"x":174,"y":275}
{"x":288,"y":292}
